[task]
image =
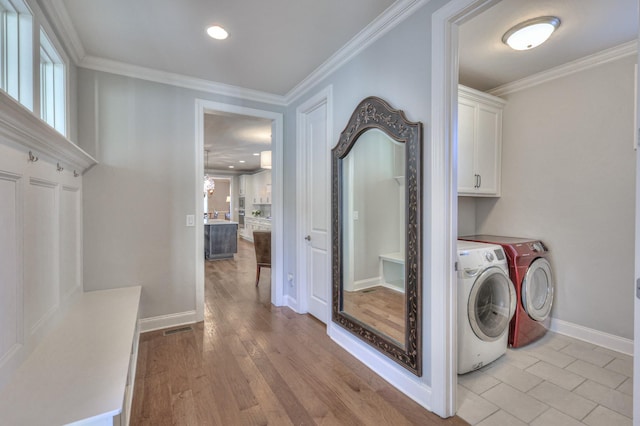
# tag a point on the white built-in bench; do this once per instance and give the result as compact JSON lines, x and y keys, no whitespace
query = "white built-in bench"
{"x":83,"y":371}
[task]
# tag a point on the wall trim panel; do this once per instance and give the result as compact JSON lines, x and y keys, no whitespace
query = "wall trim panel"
{"x":42,"y":285}
{"x":16,"y":284}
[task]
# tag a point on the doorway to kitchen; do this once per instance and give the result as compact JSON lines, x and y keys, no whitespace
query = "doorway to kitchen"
{"x":207,"y":109}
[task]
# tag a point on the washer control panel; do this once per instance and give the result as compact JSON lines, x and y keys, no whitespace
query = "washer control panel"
{"x":474,"y":256}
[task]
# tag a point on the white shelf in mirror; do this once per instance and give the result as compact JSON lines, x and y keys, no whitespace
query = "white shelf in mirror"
{"x":393,"y":257}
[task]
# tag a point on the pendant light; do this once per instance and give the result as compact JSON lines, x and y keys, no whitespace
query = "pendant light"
{"x":531,"y":33}
{"x":209,"y":183}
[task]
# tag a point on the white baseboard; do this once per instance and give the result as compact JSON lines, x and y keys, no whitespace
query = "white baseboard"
{"x":609,"y":341}
{"x":365,"y":284}
{"x":397,"y":376}
{"x":292,"y":303}
{"x":166,"y":321}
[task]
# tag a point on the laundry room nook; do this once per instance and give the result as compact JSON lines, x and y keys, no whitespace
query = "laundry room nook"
{"x":546,"y":176}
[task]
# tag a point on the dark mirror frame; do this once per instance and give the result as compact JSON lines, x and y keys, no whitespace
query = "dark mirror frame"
{"x":375,"y":113}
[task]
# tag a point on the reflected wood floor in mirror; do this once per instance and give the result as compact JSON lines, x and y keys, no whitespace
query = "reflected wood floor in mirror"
{"x":250,"y":363}
{"x":380,"y":307}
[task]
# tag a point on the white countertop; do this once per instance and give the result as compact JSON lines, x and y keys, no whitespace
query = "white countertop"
{"x":79,"y":370}
{"x":258,"y":218}
{"x":219,"y":222}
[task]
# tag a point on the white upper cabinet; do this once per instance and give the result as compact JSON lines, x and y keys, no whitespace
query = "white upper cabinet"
{"x":262,"y":188}
{"x":242,"y":180}
{"x":479,"y":143}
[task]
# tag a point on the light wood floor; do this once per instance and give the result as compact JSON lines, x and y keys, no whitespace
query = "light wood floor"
{"x":381,"y":308}
{"x":250,"y":363}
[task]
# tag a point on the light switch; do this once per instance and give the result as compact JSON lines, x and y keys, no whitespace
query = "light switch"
{"x":355,"y":215}
{"x":191,"y":220}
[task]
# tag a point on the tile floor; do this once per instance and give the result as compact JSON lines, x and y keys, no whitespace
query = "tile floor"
{"x":555,"y":381}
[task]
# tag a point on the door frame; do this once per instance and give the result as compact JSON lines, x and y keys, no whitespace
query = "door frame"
{"x":277,"y":245}
{"x":636,"y":300}
{"x":324,"y":97}
{"x":442,"y":212}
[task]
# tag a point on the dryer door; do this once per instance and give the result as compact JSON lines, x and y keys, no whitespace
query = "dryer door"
{"x":491,"y":304}
{"x":537,"y":290}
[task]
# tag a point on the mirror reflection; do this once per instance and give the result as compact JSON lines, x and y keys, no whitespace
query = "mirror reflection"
{"x":374,"y":234}
{"x":376,"y":210}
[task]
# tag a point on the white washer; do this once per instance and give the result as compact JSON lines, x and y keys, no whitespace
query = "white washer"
{"x":486,"y":304}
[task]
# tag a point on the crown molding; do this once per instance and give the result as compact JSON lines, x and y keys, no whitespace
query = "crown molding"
{"x":150,"y":74}
{"x":394,"y":15}
{"x":600,"y":58}
{"x":57,"y":12}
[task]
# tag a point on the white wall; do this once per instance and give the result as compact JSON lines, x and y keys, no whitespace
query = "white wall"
{"x":137,"y":197}
{"x":396,"y":68}
{"x":466,"y":216}
{"x":568,"y":179}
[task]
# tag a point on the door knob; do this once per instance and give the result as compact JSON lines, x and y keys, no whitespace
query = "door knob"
{"x":308,"y":238}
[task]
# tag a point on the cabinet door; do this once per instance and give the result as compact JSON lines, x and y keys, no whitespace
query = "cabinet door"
{"x":479,"y":143}
{"x":466,"y":146}
{"x":242,"y":183}
{"x":248,"y":190}
{"x":488,"y":148}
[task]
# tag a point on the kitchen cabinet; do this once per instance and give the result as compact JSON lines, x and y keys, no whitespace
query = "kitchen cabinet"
{"x":261,"y":194}
{"x":242,"y":183}
{"x":479,"y":143}
{"x":220,"y":239}
{"x":254,"y":224}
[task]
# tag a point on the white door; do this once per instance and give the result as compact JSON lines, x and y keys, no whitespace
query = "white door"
{"x":636,"y":321}
{"x":314,"y":170}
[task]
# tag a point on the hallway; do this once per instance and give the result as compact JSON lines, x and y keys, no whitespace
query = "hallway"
{"x":250,"y":363}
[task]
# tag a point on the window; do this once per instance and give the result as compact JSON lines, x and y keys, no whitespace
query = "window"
{"x":52,"y":85}
{"x":16,"y":41}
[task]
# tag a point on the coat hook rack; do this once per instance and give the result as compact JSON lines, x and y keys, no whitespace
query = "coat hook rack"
{"x":32,"y":158}
{"x":59,"y":167}
{"x":75,"y":174}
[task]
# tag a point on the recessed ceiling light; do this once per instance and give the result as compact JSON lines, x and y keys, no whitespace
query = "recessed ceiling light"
{"x":257,"y":154}
{"x":531,"y":33}
{"x":241,"y":161}
{"x":231,"y":167}
{"x":217,"y":32}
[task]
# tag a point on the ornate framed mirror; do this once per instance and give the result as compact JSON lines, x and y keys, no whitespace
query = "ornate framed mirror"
{"x":376,"y":213}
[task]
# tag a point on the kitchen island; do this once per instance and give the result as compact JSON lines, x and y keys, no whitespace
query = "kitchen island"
{"x":220,"y":239}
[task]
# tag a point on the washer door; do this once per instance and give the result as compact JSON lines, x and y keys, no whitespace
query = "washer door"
{"x":537,"y":290}
{"x":492,"y":303}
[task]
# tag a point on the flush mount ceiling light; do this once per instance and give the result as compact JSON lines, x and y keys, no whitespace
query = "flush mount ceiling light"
{"x":217,"y":32}
{"x":531,"y":33}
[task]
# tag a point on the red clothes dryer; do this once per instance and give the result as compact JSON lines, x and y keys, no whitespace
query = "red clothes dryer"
{"x":530,"y":271}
